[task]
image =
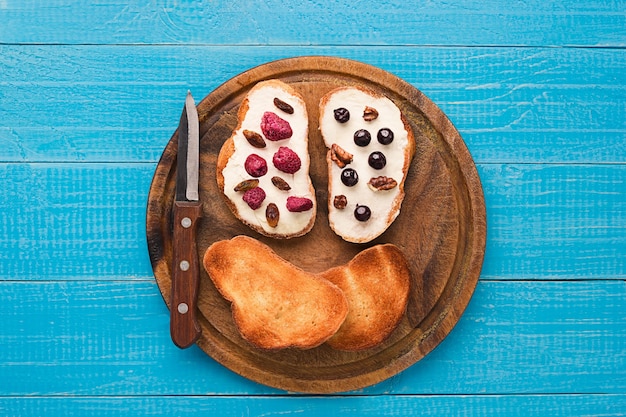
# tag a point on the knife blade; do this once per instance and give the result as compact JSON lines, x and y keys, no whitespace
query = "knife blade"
{"x":187,"y":212}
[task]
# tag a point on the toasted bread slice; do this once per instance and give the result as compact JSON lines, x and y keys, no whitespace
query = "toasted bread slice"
{"x":376,"y":283}
{"x":370,"y":147}
{"x":263,"y":168}
{"x":275,"y":305}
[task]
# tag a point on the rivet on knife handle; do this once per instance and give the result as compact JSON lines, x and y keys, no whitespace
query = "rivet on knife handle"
{"x":184,"y":328}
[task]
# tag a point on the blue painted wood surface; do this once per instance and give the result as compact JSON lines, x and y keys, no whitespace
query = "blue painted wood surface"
{"x":91,"y":93}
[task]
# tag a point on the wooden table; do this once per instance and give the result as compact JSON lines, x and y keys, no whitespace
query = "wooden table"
{"x":90,"y":95}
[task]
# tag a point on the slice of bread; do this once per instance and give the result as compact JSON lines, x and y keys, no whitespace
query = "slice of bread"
{"x":376,"y":283}
{"x":274,"y":304}
{"x":370,"y":147}
{"x":263,"y":168}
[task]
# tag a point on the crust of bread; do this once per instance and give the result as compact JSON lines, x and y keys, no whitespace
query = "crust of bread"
{"x":409,"y":152}
{"x":274,"y":304}
{"x":228,"y":149}
{"x":376,"y":283}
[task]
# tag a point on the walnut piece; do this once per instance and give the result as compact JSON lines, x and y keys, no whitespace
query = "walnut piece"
{"x":340,"y":202}
{"x":382,"y":183}
{"x":370,"y":114}
{"x":340,"y":155}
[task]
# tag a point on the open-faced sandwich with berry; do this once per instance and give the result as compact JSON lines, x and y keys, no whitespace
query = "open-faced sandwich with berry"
{"x":370,"y":147}
{"x":263,"y":168}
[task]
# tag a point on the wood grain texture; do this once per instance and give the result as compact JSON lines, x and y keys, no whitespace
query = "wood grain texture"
{"x":564,"y":405}
{"x":90,"y":93}
{"x":184,"y":327}
{"x":67,"y":221}
{"x":528,"y":105}
{"x":577,"y":214}
{"x":527,"y":23}
{"x":87,"y":221}
{"x":515,"y":337}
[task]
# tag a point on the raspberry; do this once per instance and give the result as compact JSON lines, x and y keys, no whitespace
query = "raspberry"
{"x":255,"y":165}
{"x":297,"y":204}
{"x":254,"y":197}
{"x":274,"y":128}
{"x":286,"y":160}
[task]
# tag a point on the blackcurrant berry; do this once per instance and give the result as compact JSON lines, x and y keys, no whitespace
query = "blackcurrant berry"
{"x":362,"y":213}
{"x":342,"y":115}
{"x":362,"y":137}
{"x":385,"y":136}
{"x":349,"y":177}
{"x":377,"y":160}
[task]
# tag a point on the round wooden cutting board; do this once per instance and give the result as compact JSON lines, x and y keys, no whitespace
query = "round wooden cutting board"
{"x":441,"y":230}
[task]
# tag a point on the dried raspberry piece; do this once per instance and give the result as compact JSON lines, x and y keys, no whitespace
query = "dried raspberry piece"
{"x":254,"y":197}
{"x":255,"y":165}
{"x":297,"y":204}
{"x":274,"y":128}
{"x":286,"y":160}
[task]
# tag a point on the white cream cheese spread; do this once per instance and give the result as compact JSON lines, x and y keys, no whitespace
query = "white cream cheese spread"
{"x":260,"y":101}
{"x":384,"y":205}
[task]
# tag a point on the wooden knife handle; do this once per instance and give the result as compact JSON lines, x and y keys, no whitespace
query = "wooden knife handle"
{"x":184,"y":328}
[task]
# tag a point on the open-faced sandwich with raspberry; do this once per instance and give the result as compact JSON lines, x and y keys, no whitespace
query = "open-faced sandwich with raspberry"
{"x":263,"y":168}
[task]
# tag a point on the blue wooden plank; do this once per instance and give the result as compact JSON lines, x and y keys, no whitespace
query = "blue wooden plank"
{"x":87,"y":104}
{"x":531,"y":22}
{"x":549,"y":221}
{"x":111,"y":338}
{"x":573,"y":405}
{"x":87,"y":221}
{"x":111,"y":104}
{"x":66,"y":221}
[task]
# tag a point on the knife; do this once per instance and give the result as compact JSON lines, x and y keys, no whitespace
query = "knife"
{"x":187,"y":211}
